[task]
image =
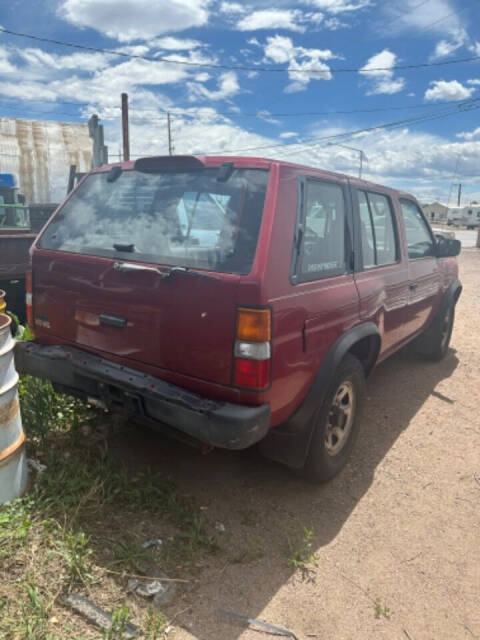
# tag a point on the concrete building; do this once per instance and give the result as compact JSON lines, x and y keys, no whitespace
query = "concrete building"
{"x":39,"y":154}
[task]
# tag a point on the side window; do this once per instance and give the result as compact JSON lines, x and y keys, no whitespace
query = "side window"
{"x":419,"y":239}
{"x":382,"y":217}
{"x":322,"y":250}
{"x":377,"y":230}
{"x":366,"y":231}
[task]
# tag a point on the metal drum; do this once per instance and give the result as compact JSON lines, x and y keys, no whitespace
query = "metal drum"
{"x":3,"y":304}
{"x":13,"y":464}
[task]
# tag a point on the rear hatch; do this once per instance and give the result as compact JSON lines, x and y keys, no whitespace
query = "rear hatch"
{"x":145,"y":263}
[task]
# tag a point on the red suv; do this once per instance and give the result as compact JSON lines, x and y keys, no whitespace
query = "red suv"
{"x":234,"y":301}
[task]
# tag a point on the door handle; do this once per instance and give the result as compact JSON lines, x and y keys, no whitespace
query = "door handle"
{"x":412,"y":286}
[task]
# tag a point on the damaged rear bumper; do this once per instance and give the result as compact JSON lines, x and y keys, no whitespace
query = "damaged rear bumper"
{"x":119,"y":388}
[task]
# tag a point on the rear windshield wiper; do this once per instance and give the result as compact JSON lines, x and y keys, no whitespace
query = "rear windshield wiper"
{"x":128,"y":267}
{"x":166,"y":275}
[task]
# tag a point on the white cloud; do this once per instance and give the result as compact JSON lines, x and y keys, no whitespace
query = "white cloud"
{"x":417,"y":162}
{"x":232,"y":7}
{"x":340,"y":6}
{"x":334,"y":23}
{"x":473,"y":82}
{"x":382,"y":81}
{"x":288,"y":134}
{"x":227,"y":87}
{"x":280,"y":49}
{"x":175,"y":44}
{"x":129,"y":20}
{"x":469,"y":135}
{"x":448,"y":90}
{"x":272,"y":19}
{"x":444,"y":48}
{"x":79,"y":61}
{"x":6,"y":67}
{"x":435,"y":17}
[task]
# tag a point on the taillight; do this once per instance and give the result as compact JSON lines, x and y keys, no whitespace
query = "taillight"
{"x":28,"y":298}
{"x":253,"y":349}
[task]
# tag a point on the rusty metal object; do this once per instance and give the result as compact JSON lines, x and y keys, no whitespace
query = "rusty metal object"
{"x":13,"y":465}
{"x":3,"y":304}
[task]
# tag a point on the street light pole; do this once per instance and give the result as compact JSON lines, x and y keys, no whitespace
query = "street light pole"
{"x":360,"y":151}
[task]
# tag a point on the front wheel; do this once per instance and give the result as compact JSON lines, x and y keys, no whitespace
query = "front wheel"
{"x":335,"y":423}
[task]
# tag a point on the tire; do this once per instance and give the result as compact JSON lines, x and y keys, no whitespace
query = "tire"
{"x":434,"y":345}
{"x":328,"y":453}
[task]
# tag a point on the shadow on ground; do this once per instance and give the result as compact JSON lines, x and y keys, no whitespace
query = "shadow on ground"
{"x":262,"y":505}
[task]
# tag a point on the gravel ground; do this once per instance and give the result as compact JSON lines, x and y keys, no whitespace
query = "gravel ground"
{"x":396,"y":535}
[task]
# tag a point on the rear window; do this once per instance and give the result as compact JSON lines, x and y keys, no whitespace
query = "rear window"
{"x":184,"y":218}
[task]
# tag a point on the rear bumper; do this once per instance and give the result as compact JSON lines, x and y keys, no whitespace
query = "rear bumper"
{"x":221,"y":424}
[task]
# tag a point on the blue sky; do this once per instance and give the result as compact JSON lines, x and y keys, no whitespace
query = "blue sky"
{"x":217,"y":110}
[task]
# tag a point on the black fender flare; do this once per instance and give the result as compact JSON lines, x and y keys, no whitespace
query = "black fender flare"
{"x":423,"y":342}
{"x":289,"y":442}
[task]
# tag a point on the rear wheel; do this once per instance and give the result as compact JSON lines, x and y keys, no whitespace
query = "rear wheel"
{"x":335,"y":423}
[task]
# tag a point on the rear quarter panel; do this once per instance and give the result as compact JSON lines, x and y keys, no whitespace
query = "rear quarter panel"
{"x":307,"y":317}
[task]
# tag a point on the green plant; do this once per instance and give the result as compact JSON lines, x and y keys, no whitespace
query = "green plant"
{"x":250,"y":552}
{"x":119,"y":624}
{"x":44,"y":410}
{"x":131,"y":556}
{"x":301,"y":555}
{"x":15,"y":524}
{"x":381,"y":610}
{"x":74,"y":548}
{"x":155,"y":626}
{"x":34,"y":615}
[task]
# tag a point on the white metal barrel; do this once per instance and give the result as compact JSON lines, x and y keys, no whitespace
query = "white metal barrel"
{"x":13,"y":464}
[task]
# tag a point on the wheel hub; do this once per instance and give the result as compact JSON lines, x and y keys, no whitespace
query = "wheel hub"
{"x":340,"y":418}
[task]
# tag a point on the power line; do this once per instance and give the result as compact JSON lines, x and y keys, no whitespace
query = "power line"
{"x":347,"y":134}
{"x":388,"y":127}
{"x":186,"y":111}
{"x":206,"y":65}
{"x":261,"y":115}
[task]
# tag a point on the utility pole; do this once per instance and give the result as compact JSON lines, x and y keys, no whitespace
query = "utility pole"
{"x":125,"y":132}
{"x":169,"y":127}
{"x":459,"y":192}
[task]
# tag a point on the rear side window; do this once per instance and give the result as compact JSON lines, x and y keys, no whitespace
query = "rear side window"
{"x":321,"y":239}
{"x":419,"y":239}
{"x":377,"y":229}
{"x":179,"y":218}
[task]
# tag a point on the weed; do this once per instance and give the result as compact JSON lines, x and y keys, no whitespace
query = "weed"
{"x":301,"y":554}
{"x":249,"y":553}
{"x":119,"y":624}
{"x":381,"y":610}
{"x":131,"y":556}
{"x":44,"y":410}
{"x":73,"y":547}
{"x":34,"y":615}
{"x":43,"y":536}
{"x":15,"y":524}
{"x":155,"y":626}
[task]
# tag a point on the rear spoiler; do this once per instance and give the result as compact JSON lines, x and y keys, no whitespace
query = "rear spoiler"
{"x":161,"y":164}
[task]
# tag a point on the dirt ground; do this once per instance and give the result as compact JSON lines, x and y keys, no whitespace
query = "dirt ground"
{"x":396,"y":535}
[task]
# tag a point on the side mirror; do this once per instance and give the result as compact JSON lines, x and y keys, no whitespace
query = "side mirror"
{"x":447,"y":247}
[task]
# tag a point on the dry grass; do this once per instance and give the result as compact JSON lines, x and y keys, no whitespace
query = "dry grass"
{"x":82,"y":525}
